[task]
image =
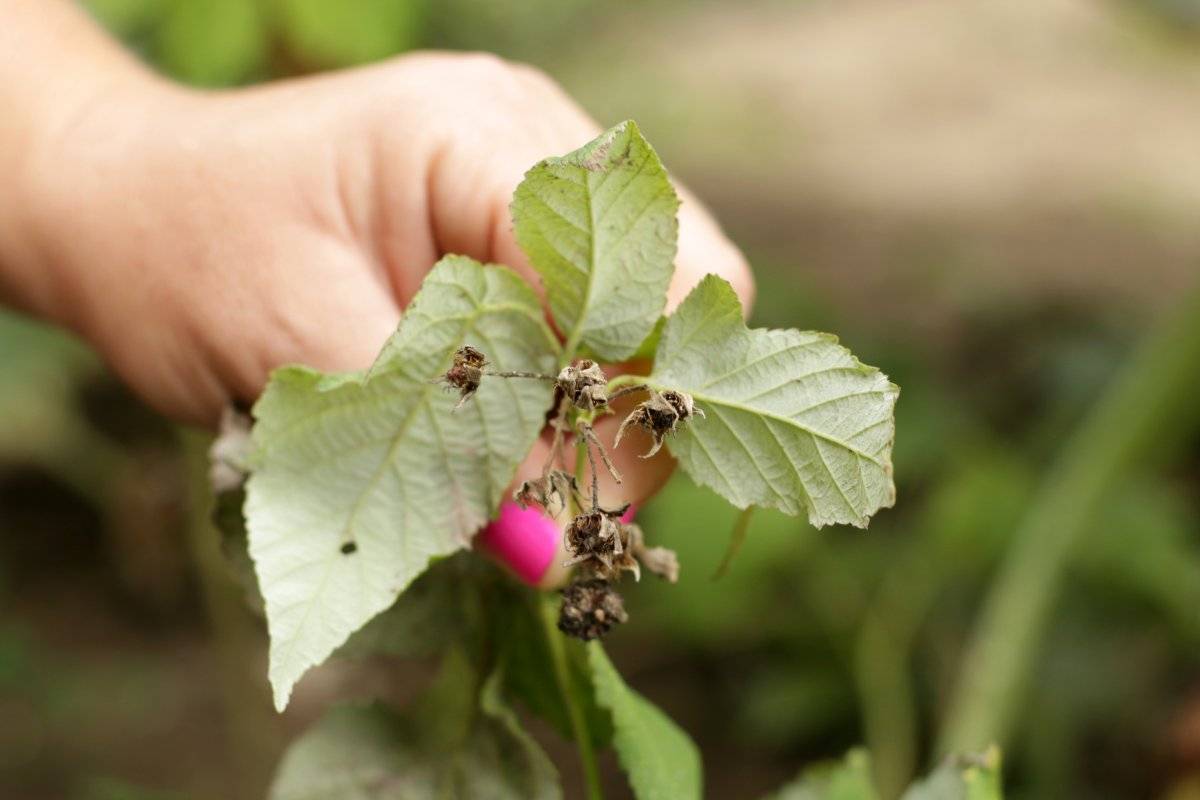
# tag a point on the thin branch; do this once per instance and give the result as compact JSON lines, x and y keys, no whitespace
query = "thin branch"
{"x":590,"y":434}
{"x":537,"y":376}
{"x":547,"y":614}
{"x":640,"y":387}
{"x":595,"y":474}
{"x":556,"y":444}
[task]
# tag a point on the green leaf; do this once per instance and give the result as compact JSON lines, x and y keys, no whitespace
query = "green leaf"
{"x":529,"y":674}
{"x":962,"y":777}
{"x":446,"y":745}
{"x":660,"y":759}
{"x":849,"y":779}
{"x":792,"y":419}
{"x":424,"y":620}
{"x":379,"y":463}
{"x":599,"y":226}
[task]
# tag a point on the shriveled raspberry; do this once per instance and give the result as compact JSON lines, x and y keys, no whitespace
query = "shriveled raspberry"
{"x":590,"y":608}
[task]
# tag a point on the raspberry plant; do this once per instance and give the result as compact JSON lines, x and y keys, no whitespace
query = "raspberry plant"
{"x":363,"y":488}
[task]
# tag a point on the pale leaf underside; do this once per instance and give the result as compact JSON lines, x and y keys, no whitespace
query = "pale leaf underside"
{"x":381,"y":466}
{"x":599,"y":226}
{"x":792,"y":420}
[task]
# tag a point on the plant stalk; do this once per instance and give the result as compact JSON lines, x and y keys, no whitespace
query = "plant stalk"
{"x":562,"y":676}
{"x":1150,"y":407}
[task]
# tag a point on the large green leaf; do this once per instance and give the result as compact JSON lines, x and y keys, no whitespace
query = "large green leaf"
{"x":792,"y":420}
{"x":528,"y":657}
{"x":599,"y":226}
{"x":444,"y":746}
{"x":660,"y":759}
{"x":379,"y":465}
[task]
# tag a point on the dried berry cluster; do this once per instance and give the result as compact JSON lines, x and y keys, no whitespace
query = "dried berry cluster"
{"x":597,"y":539}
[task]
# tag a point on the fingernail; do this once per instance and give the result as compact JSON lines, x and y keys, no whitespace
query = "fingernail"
{"x":629,"y":514}
{"x":524,"y":539}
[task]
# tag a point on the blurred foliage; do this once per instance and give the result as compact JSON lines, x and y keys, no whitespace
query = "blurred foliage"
{"x":231,"y":42}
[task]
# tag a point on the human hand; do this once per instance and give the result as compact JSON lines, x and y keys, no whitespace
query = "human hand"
{"x":201,"y":240}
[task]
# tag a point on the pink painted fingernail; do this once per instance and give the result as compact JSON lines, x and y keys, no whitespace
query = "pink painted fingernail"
{"x":629,"y":514}
{"x":524,"y":539}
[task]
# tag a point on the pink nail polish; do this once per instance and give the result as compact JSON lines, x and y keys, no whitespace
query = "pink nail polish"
{"x":524,"y":539}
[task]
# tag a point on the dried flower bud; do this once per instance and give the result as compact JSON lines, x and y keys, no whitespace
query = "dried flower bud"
{"x":661,"y":561}
{"x":585,"y":384}
{"x":551,"y":492}
{"x":683,"y":404}
{"x":595,"y":536}
{"x":590,"y":608}
{"x":465,"y":373}
{"x":661,"y":415}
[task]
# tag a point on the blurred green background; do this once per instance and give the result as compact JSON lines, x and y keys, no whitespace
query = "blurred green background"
{"x":994,"y":202}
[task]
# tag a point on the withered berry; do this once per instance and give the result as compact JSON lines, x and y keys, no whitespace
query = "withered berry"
{"x":661,"y":415}
{"x":465,"y":373}
{"x":590,"y":608}
{"x":584,"y":383}
{"x":595,"y":536}
{"x":552,"y":492}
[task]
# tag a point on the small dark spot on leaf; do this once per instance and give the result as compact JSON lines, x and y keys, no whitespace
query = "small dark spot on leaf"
{"x":349,"y":548}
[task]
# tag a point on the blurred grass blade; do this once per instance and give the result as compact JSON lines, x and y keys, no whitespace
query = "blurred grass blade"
{"x":740,"y":528}
{"x":1149,"y":410}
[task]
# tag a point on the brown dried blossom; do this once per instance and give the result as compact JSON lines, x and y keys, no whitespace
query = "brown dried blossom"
{"x":608,"y":547}
{"x":584,"y":383}
{"x":553,"y":491}
{"x":595,"y":536}
{"x":465,"y":373}
{"x":661,"y":414}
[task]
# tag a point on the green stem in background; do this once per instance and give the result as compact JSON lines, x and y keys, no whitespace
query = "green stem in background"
{"x":581,"y":459}
{"x":881,"y":670}
{"x":1150,"y":407}
{"x":740,"y":528}
{"x":548,"y":614}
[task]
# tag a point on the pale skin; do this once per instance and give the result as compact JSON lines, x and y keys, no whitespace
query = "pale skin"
{"x":197,"y":240}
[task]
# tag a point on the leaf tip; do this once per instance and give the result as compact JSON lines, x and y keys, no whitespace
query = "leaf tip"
{"x":281,"y":691}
